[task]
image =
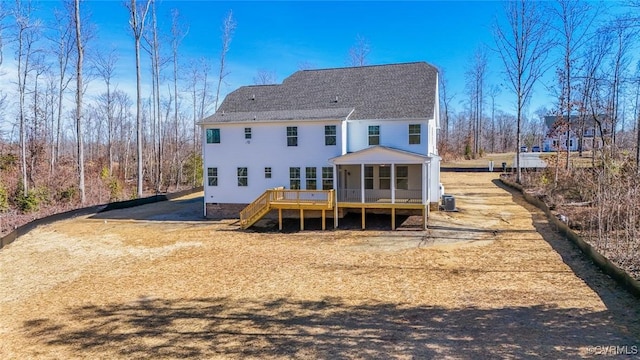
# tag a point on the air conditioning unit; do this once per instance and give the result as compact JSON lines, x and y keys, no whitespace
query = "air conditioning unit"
{"x":448,"y":203}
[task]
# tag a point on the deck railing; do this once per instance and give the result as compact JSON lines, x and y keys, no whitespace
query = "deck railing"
{"x":379,"y":196}
{"x":285,"y":199}
{"x":302,"y":196}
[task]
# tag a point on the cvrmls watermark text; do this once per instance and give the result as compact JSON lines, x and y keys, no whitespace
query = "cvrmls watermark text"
{"x":613,"y":350}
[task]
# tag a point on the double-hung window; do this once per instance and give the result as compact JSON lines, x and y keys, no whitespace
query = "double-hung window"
{"x":267,"y":173}
{"x":414,"y":134}
{"x":213,"y":136}
{"x":292,"y":136}
{"x":212,"y":176}
{"x":402,"y":177}
{"x":294,"y":178}
{"x":368,"y":177}
{"x":384,"y":177}
{"x":243,"y":176}
{"x":310,"y":177}
{"x":247,"y":133}
{"x":327,"y":178}
{"x":330,"y":135}
{"x":374,"y":134}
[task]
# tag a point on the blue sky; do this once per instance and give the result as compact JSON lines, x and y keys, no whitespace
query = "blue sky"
{"x":278,"y":36}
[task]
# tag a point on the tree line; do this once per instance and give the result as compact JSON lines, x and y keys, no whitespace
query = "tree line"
{"x":61,"y":143}
{"x":582,"y":53}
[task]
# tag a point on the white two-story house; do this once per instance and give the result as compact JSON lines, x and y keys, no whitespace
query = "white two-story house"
{"x":344,"y":139}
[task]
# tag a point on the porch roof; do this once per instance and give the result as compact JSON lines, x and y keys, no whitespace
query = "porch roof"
{"x":380,"y":155}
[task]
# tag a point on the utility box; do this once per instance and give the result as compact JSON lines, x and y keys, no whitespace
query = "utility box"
{"x":448,"y":203}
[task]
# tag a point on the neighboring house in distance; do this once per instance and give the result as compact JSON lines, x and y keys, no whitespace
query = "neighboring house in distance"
{"x":556,"y":136}
{"x":356,"y":138}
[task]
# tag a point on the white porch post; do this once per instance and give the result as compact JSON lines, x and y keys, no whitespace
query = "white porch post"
{"x":336,"y":189}
{"x":362,"y":182}
{"x":393,"y":183}
{"x":425,"y":183}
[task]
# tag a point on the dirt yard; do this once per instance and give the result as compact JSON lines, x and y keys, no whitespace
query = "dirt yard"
{"x":490,"y":281}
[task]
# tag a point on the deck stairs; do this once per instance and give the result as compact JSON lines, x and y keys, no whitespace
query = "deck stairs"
{"x":279,"y":198}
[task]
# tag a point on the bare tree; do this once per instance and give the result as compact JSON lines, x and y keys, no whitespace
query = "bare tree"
{"x":574,"y":21}
{"x":63,"y":43}
{"x":494,"y":91}
{"x":265,"y":77}
{"x":623,"y":37}
{"x":359,"y":52}
{"x":476,"y":75}
{"x":178,"y":33}
{"x":523,"y":47}
{"x":445,"y":100}
{"x":105,"y":65}
{"x":137,"y":22}
{"x":27,"y":31}
{"x":228,"y":28}
{"x":4,"y":13}
{"x":79,"y":90}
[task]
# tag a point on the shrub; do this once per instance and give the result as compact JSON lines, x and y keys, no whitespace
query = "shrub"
{"x":68,"y":194}
{"x":4,"y":198}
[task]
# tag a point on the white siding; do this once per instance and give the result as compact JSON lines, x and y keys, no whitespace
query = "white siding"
{"x":393,"y":133}
{"x":267,"y":148}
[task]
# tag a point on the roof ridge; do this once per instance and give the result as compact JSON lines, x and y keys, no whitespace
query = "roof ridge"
{"x":368,"y":66}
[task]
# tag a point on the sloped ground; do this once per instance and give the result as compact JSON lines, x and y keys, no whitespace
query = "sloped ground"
{"x":492,"y":280}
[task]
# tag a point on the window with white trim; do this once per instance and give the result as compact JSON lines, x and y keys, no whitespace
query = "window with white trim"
{"x":374,"y":134}
{"x":368,"y":177}
{"x":213,"y":136}
{"x":402,"y":177}
{"x":310,"y":178}
{"x":267,"y":173}
{"x":294,"y":178}
{"x":212,"y":176}
{"x":329,"y":134}
{"x":384,"y":177}
{"x":414,"y":134}
{"x":292,"y":136}
{"x":327,"y":178}
{"x":243,"y":176}
{"x":247,"y":133}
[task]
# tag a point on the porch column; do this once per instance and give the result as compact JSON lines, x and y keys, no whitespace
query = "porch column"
{"x":393,"y":183}
{"x":425,"y":183}
{"x":336,"y":193}
{"x":362,"y":183}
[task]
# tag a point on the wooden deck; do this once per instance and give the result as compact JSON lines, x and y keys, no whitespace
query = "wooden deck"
{"x":321,"y":200}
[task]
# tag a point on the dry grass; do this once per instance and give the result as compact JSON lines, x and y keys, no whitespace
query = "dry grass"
{"x":492,"y":280}
{"x":497,"y":159}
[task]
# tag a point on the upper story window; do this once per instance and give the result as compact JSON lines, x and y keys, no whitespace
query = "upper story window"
{"x":374,"y":135}
{"x":292,"y":136}
{"x":247,"y":133}
{"x":267,"y":173}
{"x":213,"y":136}
{"x":414,"y":134}
{"x":243,"y":176}
{"x":330,"y":135}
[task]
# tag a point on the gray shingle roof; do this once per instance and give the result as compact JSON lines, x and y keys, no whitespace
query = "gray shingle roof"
{"x":395,"y":91}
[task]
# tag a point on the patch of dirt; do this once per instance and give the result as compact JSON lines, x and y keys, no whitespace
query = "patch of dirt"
{"x":490,"y":281}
